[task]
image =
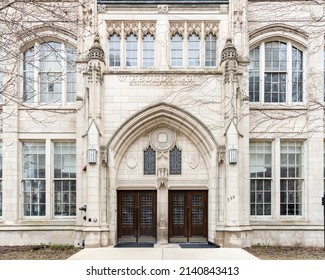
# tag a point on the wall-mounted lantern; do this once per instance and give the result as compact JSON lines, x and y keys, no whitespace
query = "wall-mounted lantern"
{"x":92,"y":156}
{"x":233,"y":156}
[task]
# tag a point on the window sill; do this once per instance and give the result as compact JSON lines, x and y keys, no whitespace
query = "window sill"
{"x":181,"y":71}
{"x":277,"y":106}
{"x":54,"y":106}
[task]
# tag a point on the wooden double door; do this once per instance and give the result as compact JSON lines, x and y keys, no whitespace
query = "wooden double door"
{"x":137,"y":216}
{"x":188,"y":216}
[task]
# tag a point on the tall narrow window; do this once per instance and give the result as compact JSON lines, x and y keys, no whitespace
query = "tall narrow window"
{"x":175,"y":161}
{"x":324,"y":75}
{"x":297,"y":74}
{"x":149,"y":161}
{"x":131,"y":44}
{"x":114,"y":51}
{"x":260,"y":165}
{"x":275,"y":85}
{"x":28,"y":75}
{"x":65,"y":179}
{"x":193,"y":51}
{"x":291,"y":178}
{"x":254,"y":75}
{"x":34,"y":187}
{"x":71,"y":75}
{"x":211,"y":51}
{"x":148,"y":53}
{"x":0,"y":179}
{"x":49,"y":69}
{"x":177,"y":51}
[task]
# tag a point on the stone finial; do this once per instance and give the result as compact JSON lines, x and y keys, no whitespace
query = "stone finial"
{"x":229,"y":51}
{"x":96,"y":51}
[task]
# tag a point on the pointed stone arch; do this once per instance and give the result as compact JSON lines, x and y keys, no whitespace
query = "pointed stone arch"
{"x":160,"y":115}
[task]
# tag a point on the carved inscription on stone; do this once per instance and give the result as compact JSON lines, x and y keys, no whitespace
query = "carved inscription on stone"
{"x":160,"y":80}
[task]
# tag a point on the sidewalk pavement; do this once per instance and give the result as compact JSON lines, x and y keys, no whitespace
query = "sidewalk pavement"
{"x":162,"y":252}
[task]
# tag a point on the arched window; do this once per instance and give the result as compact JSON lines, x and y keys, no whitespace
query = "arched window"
{"x":131,"y":47}
{"x":148,"y":51}
{"x":175,"y":161}
{"x":211,"y":51}
{"x":54,"y":64}
{"x":176,"y":51}
{"x":149,"y":161}
{"x":276,"y":73}
{"x":193,"y":51}
{"x":115,"y":51}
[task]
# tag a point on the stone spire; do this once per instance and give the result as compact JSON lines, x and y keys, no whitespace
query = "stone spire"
{"x":96,"y":51}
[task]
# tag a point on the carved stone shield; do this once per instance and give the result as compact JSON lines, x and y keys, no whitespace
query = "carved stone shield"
{"x":131,"y":160}
{"x":193,"y":160}
{"x":317,"y":11}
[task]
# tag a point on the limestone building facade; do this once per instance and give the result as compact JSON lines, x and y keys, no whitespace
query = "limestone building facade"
{"x":162,"y":121}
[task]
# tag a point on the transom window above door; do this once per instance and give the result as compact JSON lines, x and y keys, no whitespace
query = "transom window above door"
{"x":276,"y":73}
{"x":49,"y":73}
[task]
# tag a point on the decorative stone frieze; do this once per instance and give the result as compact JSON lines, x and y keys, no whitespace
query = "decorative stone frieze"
{"x":177,"y":28}
{"x":194,"y":28}
{"x":114,"y":28}
{"x":131,"y":28}
{"x":148,"y":28}
{"x":211,"y":28}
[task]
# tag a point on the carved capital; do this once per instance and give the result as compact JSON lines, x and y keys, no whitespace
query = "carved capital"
{"x":221,"y":153}
{"x":103,"y":154}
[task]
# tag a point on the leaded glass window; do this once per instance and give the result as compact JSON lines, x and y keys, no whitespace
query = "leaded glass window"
{"x":149,"y":161}
{"x":175,"y":161}
{"x":34,"y":184}
{"x":254,"y":75}
{"x":65,"y":178}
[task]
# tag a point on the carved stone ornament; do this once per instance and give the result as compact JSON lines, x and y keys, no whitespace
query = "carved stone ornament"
{"x":103,"y":154}
{"x":148,"y":28}
{"x":96,"y":51}
{"x":114,"y":28}
{"x":162,"y":9}
{"x":162,"y":139}
{"x":221,"y":153}
{"x":194,"y":28}
{"x":131,"y":28}
{"x":177,"y":28}
{"x":193,"y":160}
{"x":211,"y":28}
{"x":95,"y":73}
{"x":229,"y":51}
{"x":132,"y":160}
